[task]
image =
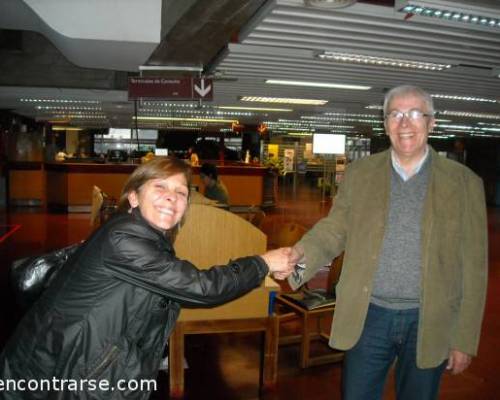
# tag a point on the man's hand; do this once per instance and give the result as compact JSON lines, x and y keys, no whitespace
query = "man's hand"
{"x":279,"y":262}
{"x":297,"y":255}
{"x":458,"y":362}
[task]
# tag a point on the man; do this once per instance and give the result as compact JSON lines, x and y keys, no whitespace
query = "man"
{"x":214,"y":189}
{"x":412,"y":290}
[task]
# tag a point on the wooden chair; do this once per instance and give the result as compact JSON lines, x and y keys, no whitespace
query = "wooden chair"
{"x":102,"y":206}
{"x":289,"y":307}
{"x":257,"y":218}
{"x":212,"y":236}
{"x":96,"y":204}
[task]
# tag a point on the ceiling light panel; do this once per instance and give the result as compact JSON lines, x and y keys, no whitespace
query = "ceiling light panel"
{"x":71,"y":108}
{"x":284,"y":100}
{"x":209,"y":120}
{"x":62,"y":101}
{"x":207,"y":113}
{"x":467,"y":114}
{"x":317,"y":84}
{"x":381,"y":61}
{"x":464,"y":98}
{"x":455,"y":11}
{"x":263,"y":109}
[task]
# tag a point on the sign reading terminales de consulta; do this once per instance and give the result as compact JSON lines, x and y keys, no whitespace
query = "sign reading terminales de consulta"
{"x":169,"y":88}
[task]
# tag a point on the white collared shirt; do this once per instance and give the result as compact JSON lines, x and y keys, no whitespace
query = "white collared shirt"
{"x":400,"y":170}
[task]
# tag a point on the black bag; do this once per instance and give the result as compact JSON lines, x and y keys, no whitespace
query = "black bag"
{"x":30,"y":276}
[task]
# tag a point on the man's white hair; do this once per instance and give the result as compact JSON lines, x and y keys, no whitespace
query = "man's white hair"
{"x":403,"y":90}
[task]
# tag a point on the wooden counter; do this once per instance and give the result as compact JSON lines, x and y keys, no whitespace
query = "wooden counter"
{"x":26,"y":183}
{"x":245,"y":183}
{"x":69,"y":185}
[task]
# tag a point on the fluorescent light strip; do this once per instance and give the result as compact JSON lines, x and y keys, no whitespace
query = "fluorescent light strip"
{"x":58,"y":101}
{"x":482,"y":135}
{"x":62,"y":108}
{"x":384,"y":61}
{"x":300,"y":133}
{"x":469,"y":114}
{"x":341,"y":118}
{"x":450,"y":15}
{"x":161,"y":112}
{"x":441,"y":136}
{"x":256,"y":109}
{"x":468,"y":128}
{"x":229,"y":121}
{"x":79,"y":113}
{"x":490,"y":129}
{"x":66,"y":128}
{"x":317,"y":84}
{"x":284,"y":100}
{"x":78,"y":116}
{"x":464,"y":98}
{"x":456,"y":127}
{"x":180,"y":105}
{"x":196,"y":106}
{"x":337,"y":114}
{"x":330,"y":128}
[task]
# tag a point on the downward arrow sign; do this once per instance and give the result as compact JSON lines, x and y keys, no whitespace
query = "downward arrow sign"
{"x":202,"y":91}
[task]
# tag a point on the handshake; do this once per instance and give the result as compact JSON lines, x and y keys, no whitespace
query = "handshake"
{"x":281,"y":262}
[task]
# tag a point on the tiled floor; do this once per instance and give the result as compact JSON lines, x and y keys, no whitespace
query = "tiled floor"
{"x":226,"y":366}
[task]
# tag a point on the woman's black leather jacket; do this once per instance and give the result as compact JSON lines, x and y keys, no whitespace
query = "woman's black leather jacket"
{"x":109,"y":312}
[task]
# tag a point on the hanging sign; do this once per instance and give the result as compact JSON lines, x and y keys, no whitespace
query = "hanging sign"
{"x":165,"y":88}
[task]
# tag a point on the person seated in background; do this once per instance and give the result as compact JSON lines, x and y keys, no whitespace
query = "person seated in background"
{"x":110,"y":309}
{"x":214,"y":188}
{"x":193,"y":157}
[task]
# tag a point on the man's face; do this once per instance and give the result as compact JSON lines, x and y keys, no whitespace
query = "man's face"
{"x":207,"y":181}
{"x":408,"y":135}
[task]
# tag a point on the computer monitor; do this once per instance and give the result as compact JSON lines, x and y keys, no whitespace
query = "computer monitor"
{"x":328,"y":143}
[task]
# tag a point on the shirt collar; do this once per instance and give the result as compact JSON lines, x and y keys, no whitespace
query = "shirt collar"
{"x":399,"y":169}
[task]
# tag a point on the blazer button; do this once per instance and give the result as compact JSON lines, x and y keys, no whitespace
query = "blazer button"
{"x":140,"y":343}
{"x":365,"y":289}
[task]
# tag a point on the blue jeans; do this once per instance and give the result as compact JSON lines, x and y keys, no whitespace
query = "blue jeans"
{"x":388,"y":335}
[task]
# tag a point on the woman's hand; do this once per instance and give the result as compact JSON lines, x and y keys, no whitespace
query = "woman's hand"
{"x":280,"y":262}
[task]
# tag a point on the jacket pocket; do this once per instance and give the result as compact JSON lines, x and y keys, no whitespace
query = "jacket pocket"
{"x":104,"y":363}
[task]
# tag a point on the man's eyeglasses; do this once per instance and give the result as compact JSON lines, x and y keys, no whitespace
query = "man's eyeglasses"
{"x":414,"y":115}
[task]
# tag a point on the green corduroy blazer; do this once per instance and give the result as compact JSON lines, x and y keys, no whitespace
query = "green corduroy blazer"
{"x":454,"y":254}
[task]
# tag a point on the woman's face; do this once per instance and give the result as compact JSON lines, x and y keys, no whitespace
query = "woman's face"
{"x":162,"y":201}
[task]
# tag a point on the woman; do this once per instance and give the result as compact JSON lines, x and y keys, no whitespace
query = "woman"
{"x":108,"y":314}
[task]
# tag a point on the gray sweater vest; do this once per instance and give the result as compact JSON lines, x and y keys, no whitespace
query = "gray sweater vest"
{"x":397,"y":279}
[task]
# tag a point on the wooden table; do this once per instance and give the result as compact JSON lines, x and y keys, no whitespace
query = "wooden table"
{"x":268,"y":355}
